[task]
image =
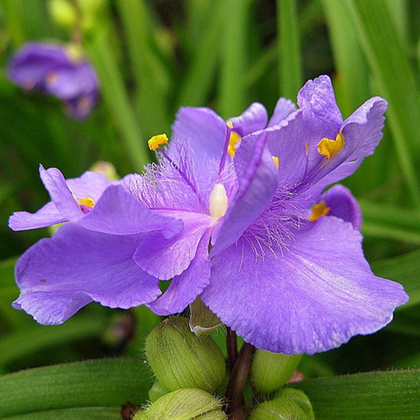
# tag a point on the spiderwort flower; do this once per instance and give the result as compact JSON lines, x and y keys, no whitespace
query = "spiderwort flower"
{"x":235,"y":212}
{"x":53,"y":69}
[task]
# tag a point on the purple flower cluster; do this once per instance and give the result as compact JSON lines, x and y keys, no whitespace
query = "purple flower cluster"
{"x":234,"y":212}
{"x":50,"y":68}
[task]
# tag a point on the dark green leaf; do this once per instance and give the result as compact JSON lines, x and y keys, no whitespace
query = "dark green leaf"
{"x":366,"y":396}
{"x":95,"y":383}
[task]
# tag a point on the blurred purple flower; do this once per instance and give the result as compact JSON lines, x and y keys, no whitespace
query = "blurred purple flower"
{"x":233,"y":212}
{"x":50,"y":68}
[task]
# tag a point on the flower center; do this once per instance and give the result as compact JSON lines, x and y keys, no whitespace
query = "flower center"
{"x":218,"y":201}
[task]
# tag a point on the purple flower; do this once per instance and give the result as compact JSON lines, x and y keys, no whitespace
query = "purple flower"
{"x":50,"y":68}
{"x":235,"y":212}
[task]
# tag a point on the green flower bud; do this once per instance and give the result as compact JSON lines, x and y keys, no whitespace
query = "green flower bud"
{"x":63,"y":13}
{"x":180,"y":359}
{"x":184,"y":404}
{"x":291,"y":404}
{"x":270,"y":371}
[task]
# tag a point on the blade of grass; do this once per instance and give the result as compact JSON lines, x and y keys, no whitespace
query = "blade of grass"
{"x":12,"y":11}
{"x":95,"y":383}
{"x":290,"y":67}
{"x":149,"y":73}
{"x":387,"y":56}
{"x":116,"y":97}
{"x":363,"y":396}
{"x":404,"y":269}
{"x":385,"y":232}
{"x":389,"y":215}
{"x":232,"y":94}
{"x":348,"y":57}
{"x":199,"y":76}
{"x":35,"y":337}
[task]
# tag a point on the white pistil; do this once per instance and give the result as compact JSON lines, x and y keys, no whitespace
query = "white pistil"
{"x":218,"y":201}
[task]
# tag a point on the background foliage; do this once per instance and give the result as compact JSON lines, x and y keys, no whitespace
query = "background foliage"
{"x":154,"y":56}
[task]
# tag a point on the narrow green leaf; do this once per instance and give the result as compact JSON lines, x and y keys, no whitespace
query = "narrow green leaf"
{"x":12,"y":12}
{"x":199,"y":77}
{"x":384,"y":220}
{"x":391,"y":395}
{"x":232,"y":95}
{"x":90,"y":413}
{"x":116,"y":98}
{"x":95,"y":383}
{"x":35,"y":337}
{"x":390,"y":215}
{"x":152,"y":80}
{"x":387,"y":56}
{"x":404,"y":269}
{"x":290,"y":67}
{"x":352,"y":71}
{"x":380,"y":231}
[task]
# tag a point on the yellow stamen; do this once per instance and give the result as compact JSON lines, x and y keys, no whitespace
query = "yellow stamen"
{"x":230,"y":124}
{"x":156,"y":141}
{"x":319,"y":210}
{"x":276,"y":161}
{"x":88,"y":202}
{"x":218,"y":201}
{"x":234,"y":142}
{"x":329,"y":148}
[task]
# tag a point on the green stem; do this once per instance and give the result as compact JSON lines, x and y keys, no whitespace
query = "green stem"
{"x":237,"y":381}
{"x":232,"y":347}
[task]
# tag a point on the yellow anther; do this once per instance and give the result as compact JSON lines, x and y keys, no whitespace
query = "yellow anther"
{"x":276,"y":161}
{"x":156,"y":141}
{"x":319,"y":210}
{"x":329,"y":148}
{"x":88,"y":202}
{"x":234,"y":142}
{"x":230,"y":124}
{"x":218,"y":201}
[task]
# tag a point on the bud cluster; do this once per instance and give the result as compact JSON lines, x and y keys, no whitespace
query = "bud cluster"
{"x":190,"y":373}
{"x":189,"y":370}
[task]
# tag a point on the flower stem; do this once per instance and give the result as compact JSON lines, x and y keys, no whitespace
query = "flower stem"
{"x":232,"y":348}
{"x":236,"y":385}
